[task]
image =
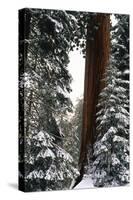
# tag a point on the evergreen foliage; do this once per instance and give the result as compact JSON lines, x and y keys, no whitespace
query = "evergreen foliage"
{"x":120,"y":48}
{"x":47,"y":165}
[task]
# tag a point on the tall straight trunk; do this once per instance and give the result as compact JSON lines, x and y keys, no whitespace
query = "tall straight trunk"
{"x":97,"y":58}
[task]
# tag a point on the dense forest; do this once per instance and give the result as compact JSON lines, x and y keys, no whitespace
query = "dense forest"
{"x":61,"y":144}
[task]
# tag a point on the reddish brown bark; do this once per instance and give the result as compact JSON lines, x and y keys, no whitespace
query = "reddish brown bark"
{"x":97,"y":57}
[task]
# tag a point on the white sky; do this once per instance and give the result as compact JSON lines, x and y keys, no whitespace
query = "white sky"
{"x":76,"y":68}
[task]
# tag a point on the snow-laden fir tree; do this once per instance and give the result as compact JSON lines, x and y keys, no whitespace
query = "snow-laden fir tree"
{"x":120,"y":47}
{"x":47,"y":165}
{"x":46,"y":77}
{"x":111,"y":149}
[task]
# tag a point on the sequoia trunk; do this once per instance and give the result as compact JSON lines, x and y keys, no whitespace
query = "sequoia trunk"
{"x":97,"y":58}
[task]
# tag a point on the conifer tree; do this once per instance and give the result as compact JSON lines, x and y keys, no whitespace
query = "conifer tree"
{"x":46,"y":77}
{"x":120,"y":47}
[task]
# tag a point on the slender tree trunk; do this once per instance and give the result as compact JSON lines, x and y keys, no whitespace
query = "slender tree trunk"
{"x":97,"y":58}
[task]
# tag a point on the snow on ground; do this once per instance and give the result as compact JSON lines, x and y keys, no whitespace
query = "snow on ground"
{"x":86,"y":182}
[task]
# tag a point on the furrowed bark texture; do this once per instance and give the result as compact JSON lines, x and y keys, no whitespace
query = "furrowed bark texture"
{"x":97,"y":58}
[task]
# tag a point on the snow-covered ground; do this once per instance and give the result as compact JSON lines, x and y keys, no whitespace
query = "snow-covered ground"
{"x":86,"y":182}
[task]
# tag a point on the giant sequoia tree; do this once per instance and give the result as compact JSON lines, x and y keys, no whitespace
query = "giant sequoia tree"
{"x":97,"y":57}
